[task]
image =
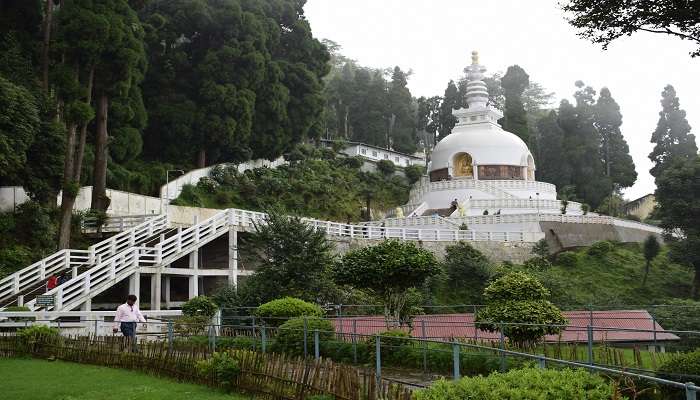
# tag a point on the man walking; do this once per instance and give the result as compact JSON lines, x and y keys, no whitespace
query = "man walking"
{"x":128,"y":315}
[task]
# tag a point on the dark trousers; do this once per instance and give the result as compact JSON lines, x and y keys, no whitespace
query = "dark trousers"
{"x":128,"y":329}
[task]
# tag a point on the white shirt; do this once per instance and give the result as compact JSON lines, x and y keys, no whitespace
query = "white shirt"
{"x":127,"y":313}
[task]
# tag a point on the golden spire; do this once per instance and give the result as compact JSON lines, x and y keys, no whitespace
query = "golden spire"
{"x":475,"y":57}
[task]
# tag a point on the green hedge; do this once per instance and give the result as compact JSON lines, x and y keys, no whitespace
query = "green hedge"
{"x":290,"y":337}
{"x":528,"y":383}
{"x":276,"y":312}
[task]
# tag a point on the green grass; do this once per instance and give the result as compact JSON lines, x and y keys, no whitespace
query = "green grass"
{"x":24,"y":379}
{"x":615,"y":279}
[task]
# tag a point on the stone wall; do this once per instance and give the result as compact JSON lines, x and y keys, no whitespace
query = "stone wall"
{"x":515,"y":252}
{"x":567,"y":235}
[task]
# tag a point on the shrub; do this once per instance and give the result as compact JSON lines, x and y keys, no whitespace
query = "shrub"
{"x":200,"y":306}
{"x":207,"y":185}
{"x":290,"y":338}
{"x":413,"y":173}
{"x":681,"y":363}
{"x":275,"y":312}
{"x":391,"y":341}
{"x":541,"y":248}
{"x":35,"y":331}
{"x":321,"y":397}
{"x":222,"y":367}
{"x":18,"y":309}
{"x":601,"y":249}
{"x":567,"y":259}
{"x":537,"y":263}
{"x":519,"y":298}
{"x":528,"y":383}
{"x":386,"y":167}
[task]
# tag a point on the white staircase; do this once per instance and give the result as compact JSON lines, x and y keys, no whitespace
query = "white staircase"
{"x":70,"y":260}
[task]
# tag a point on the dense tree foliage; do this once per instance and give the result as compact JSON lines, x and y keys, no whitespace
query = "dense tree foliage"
{"x":292,"y":258}
{"x":388,"y":270}
{"x":514,"y":83}
{"x":603,"y":21}
{"x":517,"y":298}
{"x":467,"y":272}
{"x":672,"y":138}
{"x":678,"y":197}
{"x":315,"y":184}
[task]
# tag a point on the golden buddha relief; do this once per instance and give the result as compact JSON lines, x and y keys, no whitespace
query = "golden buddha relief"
{"x":463,"y":165}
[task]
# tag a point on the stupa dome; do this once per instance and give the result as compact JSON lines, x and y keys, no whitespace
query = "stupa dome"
{"x":478,"y":148}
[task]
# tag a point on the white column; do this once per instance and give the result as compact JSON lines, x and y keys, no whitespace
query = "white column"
{"x":155,"y":291}
{"x":135,"y":285}
{"x":194,"y":278}
{"x":233,"y":256}
{"x":167,"y":291}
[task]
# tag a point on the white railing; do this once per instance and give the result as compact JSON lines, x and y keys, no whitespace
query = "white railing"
{"x":115,"y":223}
{"x":72,"y":259}
{"x":495,"y":187}
{"x":521,"y":203}
{"x":40,"y":270}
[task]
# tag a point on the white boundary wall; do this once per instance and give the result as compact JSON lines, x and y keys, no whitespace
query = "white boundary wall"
{"x":11,"y":197}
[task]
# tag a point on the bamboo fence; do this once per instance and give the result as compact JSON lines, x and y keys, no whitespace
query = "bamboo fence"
{"x":265,"y":375}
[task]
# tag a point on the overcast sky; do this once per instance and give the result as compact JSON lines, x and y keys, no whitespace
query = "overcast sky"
{"x":434,"y":38}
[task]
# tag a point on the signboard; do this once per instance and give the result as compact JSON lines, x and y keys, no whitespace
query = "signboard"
{"x":44,"y":300}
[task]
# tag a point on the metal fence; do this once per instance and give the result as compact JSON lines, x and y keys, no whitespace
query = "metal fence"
{"x":397,"y":358}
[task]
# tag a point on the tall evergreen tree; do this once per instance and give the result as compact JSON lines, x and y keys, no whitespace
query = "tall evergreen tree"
{"x":672,"y":137}
{"x":552,"y":165}
{"x":402,"y":116}
{"x":450,"y":101}
{"x":514,"y":83}
{"x":614,"y":151}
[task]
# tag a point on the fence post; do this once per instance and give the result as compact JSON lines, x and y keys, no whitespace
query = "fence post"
{"x":340,"y":319}
{"x":212,"y":339}
{"x":317,"y":350}
{"x":170,"y":335}
{"x":263,"y":338}
{"x":253,"y":333}
{"x":306,"y":352}
{"x":502,"y":345}
{"x":590,"y":345}
{"x":541,"y":362}
{"x":378,"y":356}
{"x":653,"y":326}
{"x":690,"y":393}
{"x":455,"y":361}
{"x":354,"y":340}
{"x":425,"y":346}
{"x":95,"y":326}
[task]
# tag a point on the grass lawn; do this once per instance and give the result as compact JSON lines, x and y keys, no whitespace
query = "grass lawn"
{"x":24,"y":379}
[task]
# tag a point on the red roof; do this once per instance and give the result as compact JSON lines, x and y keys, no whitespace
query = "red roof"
{"x":608,"y":326}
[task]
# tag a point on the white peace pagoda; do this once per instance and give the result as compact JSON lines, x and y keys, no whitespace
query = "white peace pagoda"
{"x":487,"y":170}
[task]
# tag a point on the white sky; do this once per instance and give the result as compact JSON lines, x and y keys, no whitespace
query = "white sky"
{"x":434,"y":38}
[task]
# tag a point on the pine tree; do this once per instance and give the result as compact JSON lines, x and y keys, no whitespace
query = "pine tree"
{"x":402,"y":116}
{"x":552,"y":165}
{"x":618,"y":163}
{"x":672,"y":137}
{"x":514,"y":83}
{"x":450,"y":101}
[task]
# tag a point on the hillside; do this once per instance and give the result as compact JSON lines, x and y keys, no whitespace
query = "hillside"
{"x":614,"y":279}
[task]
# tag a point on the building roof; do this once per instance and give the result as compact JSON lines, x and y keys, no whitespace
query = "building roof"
{"x":623,"y":326}
{"x":350,"y":143}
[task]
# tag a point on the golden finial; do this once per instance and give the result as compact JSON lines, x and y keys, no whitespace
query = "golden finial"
{"x":475,"y":57}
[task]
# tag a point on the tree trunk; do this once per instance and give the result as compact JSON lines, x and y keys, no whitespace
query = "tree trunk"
{"x":99,"y":185}
{"x":201,"y":158}
{"x":78,"y":166}
{"x":646,"y":273}
{"x":345,"y":123}
{"x":68,"y":194}
{"x":45,"y":47}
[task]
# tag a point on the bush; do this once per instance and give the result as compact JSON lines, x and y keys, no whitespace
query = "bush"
{"x":413,"y":173}
{"x":567,"y":259}
{"x":386,"y":167}
{"x":290,"y":338}
{"x":275,"y":312}
{"x":35,"y":331}
{"x":601,"y":249}
{"x":541,"y":248}
{"x":392,"y":342}
{"x":18,"y":309}
{"x":222,"y":367}
{"x":200,"y":306}
{"x":681,"y":364}
{"x":528,"y":383}
{"x":537,"y":263}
